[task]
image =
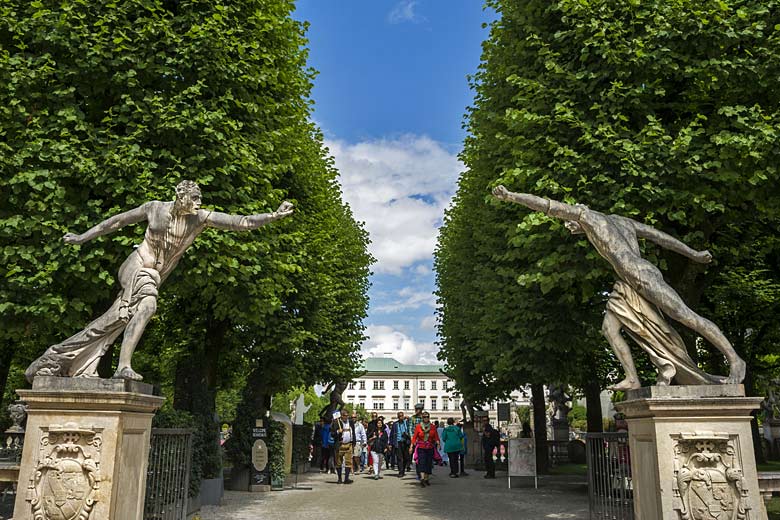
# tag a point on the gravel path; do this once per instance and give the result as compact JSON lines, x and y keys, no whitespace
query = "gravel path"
{"x":392,"y":498}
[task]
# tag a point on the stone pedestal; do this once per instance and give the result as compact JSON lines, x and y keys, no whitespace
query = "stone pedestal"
{"x":692,"y":452}
{"x":86,"y":449}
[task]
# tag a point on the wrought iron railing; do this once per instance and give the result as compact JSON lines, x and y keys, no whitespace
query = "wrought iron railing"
{"x":168,"y":476}
{"x":610,"y":488}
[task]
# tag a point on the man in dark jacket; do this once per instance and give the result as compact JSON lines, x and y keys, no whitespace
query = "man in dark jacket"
{"x":400,"y":437}
{"x":491,"y":438}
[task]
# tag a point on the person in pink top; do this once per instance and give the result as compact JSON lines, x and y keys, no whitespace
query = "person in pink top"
{"x":425,"y":440}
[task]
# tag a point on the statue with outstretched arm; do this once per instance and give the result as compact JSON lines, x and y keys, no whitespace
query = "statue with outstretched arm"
{"x":640,"y":297}
{"x":171,"y":229}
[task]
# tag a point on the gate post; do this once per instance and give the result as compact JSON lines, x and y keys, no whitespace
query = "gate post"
{"x":692,"y":449}
{"x":86,"y":448}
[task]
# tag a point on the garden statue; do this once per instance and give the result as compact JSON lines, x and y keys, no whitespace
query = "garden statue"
{"x":770,"y":404}
{"x":17,"y":412}
{"x":641,"y":297}
{"x":336,"y":402}
{"x":172,"y":227}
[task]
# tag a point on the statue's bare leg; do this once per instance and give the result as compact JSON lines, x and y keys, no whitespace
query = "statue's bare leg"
{"x":610,"y":327}
{"x":671,"y":304}
{"x":135,"y":328}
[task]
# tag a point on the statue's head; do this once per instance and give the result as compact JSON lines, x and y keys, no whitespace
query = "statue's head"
{"x":187,"y":197}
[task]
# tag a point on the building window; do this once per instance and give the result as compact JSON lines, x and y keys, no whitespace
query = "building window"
{"x":406,"y":385}
{"x":352,"y":386}
{"x":407,"y":404}
{"x":395,"y":385}
{"x":395,"y":404}
{"x":433,"y":385}
{"x":422,"y":385}
{"x":445,"y":404}
{"x":379,"y":405}
{"x":433,"y":404}
{"x":362,"y":385}
{"x":456,"y":403}
{"x":381,"y":385}
{"x":362,"y":403}
{"x":492,"y":406}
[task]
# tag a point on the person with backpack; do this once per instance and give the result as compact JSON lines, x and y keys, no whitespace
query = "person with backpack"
{"x":491,"y":439}
{"x":452,"y":439}
{"x":345,"y":432}
{"x":378,"y":445}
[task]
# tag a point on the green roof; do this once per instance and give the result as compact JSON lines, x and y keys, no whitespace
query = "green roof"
{"x":376,"y":364}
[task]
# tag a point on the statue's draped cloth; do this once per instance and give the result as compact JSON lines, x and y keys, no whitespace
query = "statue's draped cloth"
{"x":647,"y":326}
{"x":78,"y":356}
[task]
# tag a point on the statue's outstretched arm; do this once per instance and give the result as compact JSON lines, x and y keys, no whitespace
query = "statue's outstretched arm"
{"x":110,"y":225}
{"x":549,"y":207}
{"x":669,"y":242}
{"x":247,"y":222}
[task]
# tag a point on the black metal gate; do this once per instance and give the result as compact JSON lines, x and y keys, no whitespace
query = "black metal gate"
{"x":168,"y":476}
{"x":610,"y":488}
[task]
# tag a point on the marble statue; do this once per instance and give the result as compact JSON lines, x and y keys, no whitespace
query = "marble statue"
{"x":300,"y":409}
{"x":640,"y":298}
{"x":559,"y":403}
{"x":171,"y":228}
{"x":18,"y":413}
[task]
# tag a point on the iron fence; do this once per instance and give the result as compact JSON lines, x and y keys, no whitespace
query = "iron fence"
{"x":610,"y":488}
{"x":168,"y":476}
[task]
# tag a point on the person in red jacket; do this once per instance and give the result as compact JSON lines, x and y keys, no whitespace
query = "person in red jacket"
{"x":425,"y":440}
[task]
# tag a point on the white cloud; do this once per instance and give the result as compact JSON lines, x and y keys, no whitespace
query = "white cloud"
{"x":408,"y":298}
{"x":428,"y":323}
{"x":399,"y":188}
{"x":404,"y":12}
{"x":386,"y":341}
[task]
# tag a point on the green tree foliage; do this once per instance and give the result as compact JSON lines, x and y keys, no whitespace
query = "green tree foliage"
{"x":108,"y":105}
{"x":666,"y":112}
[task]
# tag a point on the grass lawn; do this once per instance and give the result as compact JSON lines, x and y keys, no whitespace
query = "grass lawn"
{"x":569,"y":469}
{"x":769,"y":466}
{"x":773,"y":509}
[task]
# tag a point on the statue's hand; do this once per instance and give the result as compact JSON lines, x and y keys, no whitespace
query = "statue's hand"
{"x":500,"y":192}
{"x":703,"y":257}
{"x":285,"y":209}
{"x":72,"y":239}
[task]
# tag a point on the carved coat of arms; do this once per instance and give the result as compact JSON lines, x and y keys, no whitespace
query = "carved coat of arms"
{"x":65,"y":483}
{"x":709,"y":484}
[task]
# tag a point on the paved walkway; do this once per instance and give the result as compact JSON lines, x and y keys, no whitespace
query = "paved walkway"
{"x":392,"y":498}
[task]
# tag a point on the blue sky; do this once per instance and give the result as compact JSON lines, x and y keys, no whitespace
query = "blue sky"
{"x":390,"y":98}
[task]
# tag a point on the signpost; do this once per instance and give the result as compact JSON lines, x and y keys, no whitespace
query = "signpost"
{"x":261,"y":474}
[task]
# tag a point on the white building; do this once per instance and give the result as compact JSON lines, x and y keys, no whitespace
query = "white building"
{"x":388,"y":386}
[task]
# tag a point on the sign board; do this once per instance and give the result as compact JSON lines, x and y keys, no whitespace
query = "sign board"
{"x":261,"y":474}
{"x":503,"y":412}
{"x":259,"y":455}
{"x":522,"y":459}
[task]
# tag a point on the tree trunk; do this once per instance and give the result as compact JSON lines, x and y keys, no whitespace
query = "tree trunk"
{"x":6,"y":357}
{"x":593,"y":406}
{"x":540,"y":428}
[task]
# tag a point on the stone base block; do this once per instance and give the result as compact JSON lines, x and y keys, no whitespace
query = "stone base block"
{"x":86,"y":449}
{"x":692,"y":452}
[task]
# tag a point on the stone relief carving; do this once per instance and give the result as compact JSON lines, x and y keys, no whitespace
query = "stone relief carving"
{"x":66,"y":479}
{"x":18,"y":413}
{"x":708,"y":480}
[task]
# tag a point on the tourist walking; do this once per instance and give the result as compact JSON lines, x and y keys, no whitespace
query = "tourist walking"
{"x":401,"y":439}
{"x":361,"y":441}
{"x":414,"y":420}
{"x":443,"y":458}
{"x":327,"y":443}
{"x":463,"y":451}
{"x":452,"y":441}
{"x":425,"y":440}
{"x":490,"y":441}
{"x":347,"y":440}
{"x":378,"y":445}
